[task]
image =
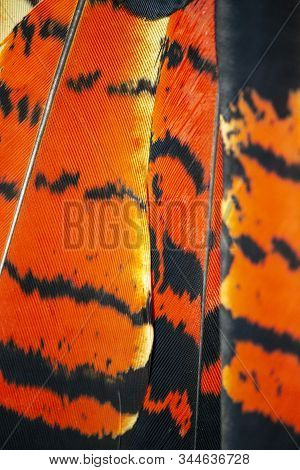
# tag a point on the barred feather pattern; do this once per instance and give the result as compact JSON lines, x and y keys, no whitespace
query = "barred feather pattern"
{"x":149,"y":242}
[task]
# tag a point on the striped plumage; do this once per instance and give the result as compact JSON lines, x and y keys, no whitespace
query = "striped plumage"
{"x":261,"y":223}
{"x":110,"y":329}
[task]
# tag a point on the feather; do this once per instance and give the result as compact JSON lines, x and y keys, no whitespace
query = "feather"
{"x":149,"y":278}
{"x":184,"y":142}
{"x":259,"y":97}
{"x":75,"y":313}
